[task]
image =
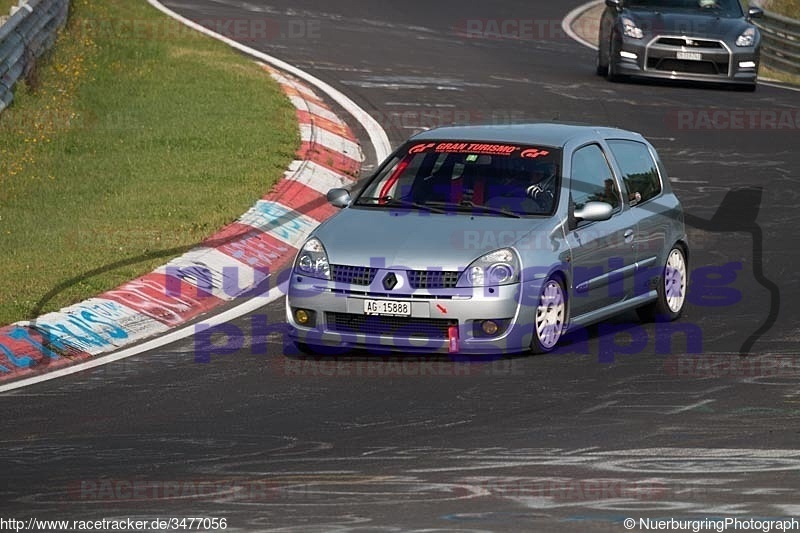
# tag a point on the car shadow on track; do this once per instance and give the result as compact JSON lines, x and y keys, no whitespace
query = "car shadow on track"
{"x":683,"y":84}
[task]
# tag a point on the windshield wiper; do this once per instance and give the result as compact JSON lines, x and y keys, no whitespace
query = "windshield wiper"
{"x":393,"y":202}
{"x":467,"y":203}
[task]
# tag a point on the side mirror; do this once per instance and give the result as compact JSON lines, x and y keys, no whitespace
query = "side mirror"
{"x":755,"y":13}
{"x":614,"y":4}
{"x":339,"y":197}
{"x":594,"y":211}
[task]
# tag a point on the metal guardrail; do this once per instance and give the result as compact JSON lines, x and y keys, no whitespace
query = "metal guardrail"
{"x":780,"y":41}
{"x":25,"y":36}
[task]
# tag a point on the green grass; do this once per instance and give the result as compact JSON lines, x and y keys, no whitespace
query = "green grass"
{"x":778,"y":75}
{"x":790,"y":8}
{"x":125,"y":143}
{"x":5,"y":6}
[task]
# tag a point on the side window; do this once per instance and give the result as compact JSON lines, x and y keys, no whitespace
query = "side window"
{"x":639,"y":170}
{"x":592,"y":180}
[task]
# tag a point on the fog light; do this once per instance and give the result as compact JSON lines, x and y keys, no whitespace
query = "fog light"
{"x":747,"y":64}
{"x":489,"y":327}
{"x":302,"y":317}
{"x":628,"y":55}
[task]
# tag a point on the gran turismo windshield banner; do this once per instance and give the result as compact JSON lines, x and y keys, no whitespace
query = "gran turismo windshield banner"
{"x":466,"y":176}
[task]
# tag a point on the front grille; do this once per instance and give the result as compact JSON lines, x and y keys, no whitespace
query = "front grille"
{"x":432,"y":279}
{"x":662,"y":56}
{"x":351,"y":292}
{"x":435,"y":328}
{"x":680,"y":42}
{"x":353,"y":275}
{"x":690,"y":67}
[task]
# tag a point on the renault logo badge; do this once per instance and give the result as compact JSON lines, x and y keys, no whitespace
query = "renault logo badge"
{"x":390,"y":281}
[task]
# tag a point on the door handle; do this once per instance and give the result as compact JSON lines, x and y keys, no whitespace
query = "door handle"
{"x":628,"y":235}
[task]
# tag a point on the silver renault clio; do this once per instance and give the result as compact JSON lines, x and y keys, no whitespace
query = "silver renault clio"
{"x":493,"y":240}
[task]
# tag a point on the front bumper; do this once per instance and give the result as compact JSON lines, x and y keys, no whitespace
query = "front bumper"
{"x":662,"y":57}
{"x":340,"y":321}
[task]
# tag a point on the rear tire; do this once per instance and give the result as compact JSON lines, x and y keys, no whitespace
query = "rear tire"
{"x":671,"y":289}
{"x":611,"y":73}
{"x":550,"y":318}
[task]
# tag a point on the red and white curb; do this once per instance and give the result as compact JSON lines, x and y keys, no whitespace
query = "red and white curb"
{"x":226,"y":266}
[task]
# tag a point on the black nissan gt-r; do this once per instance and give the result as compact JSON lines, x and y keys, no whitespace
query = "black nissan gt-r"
{"x":695,"y":40}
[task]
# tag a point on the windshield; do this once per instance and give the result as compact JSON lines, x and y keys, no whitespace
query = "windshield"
{"x":491,"y":179}
{"x":720,"y":8}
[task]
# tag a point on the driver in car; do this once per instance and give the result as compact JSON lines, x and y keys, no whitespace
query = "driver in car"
{"x":528,"y":190}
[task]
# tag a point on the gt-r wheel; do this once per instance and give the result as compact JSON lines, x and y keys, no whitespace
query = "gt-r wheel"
{"x":551,"y":315}
{"x":671,"y":289}
{"x":611,"y":71}
{"x":602,"y":68}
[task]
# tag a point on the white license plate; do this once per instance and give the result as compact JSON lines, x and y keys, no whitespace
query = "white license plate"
{"x":387,"y":307}
{"x":690,"y":56}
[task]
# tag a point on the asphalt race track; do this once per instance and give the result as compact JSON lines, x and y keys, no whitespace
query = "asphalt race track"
{"x":562,"y":442}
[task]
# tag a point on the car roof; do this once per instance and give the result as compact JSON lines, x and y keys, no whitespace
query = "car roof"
{"x":542,"y":133}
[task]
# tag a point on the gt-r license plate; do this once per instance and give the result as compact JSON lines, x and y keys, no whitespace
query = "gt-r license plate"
{"x":690,"y":56}
{"x":387,"y":307}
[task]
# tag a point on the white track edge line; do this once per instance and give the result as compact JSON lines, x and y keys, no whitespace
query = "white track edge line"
{"x":779,"y":86}
{"x":382,"y":149}
{"x":570,"y":17}
{"x":187,"y":331}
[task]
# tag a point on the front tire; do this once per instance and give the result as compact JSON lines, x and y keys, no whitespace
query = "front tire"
{"x":671,"y":289}
{"x":602,"y":69}
{"x":611,"y":71}
{"x":551,"y":317}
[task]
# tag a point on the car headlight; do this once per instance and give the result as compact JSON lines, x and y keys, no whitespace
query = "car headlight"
{"x":747,"y":38}
{"x":313,"y":260}
{"x":630,"y":29}
{"x":500,"y":267}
